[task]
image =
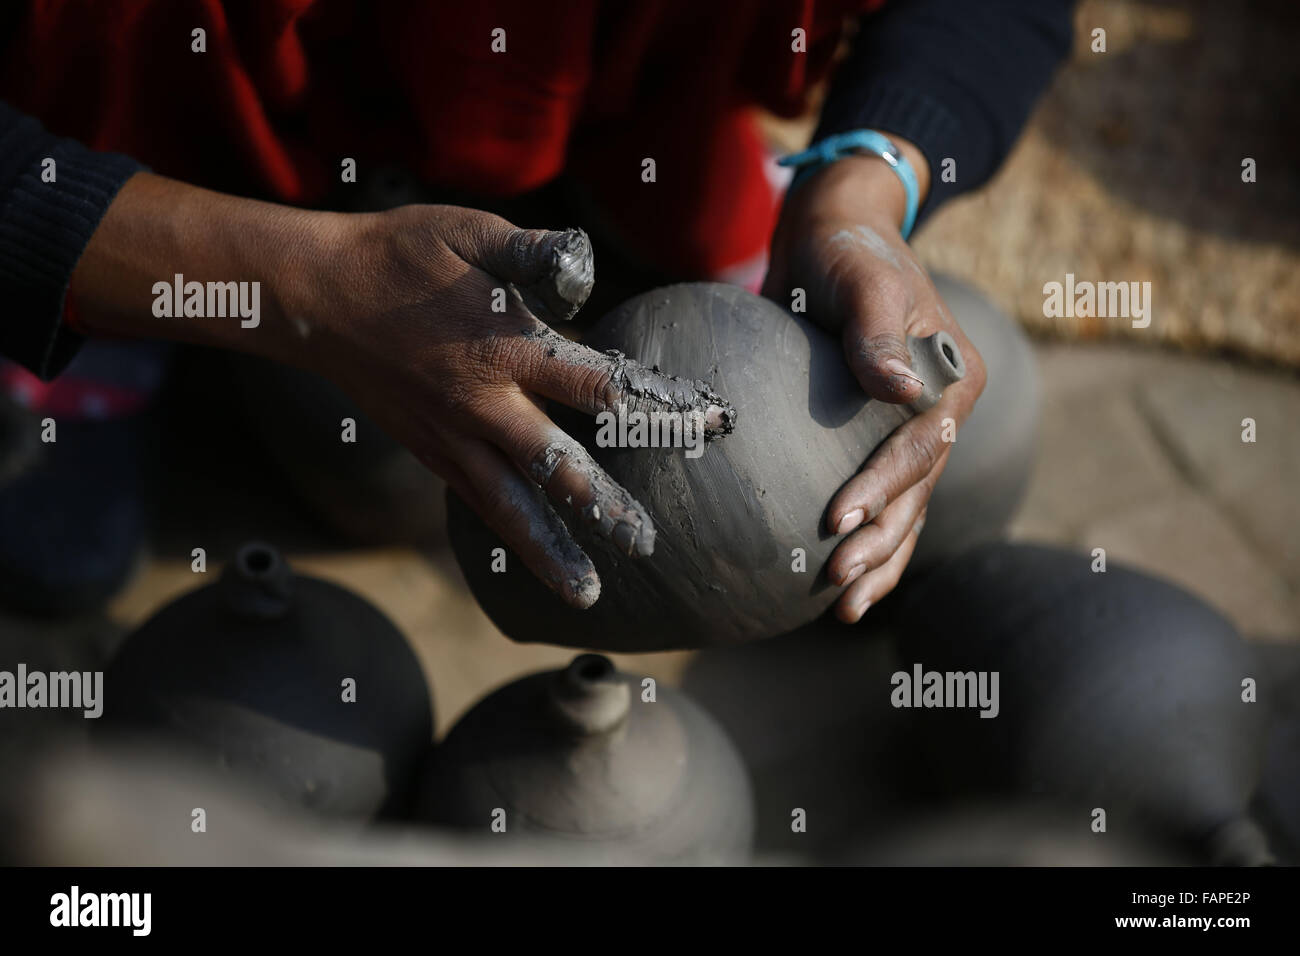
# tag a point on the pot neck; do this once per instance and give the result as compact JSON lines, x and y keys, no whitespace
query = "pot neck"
{"x":257,"y":584}
{"x":590,"y":696}
{"x":938,"y":360}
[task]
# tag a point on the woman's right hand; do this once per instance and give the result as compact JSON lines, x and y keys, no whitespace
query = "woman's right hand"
{"x":430,"y":317}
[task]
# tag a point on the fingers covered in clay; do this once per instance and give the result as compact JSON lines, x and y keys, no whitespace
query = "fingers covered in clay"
{"x":595,"y":382}
{"x":552,"y":270}
{"x":870,"y":586}
{"x":517,"y":510}
{"x":572,"y":479}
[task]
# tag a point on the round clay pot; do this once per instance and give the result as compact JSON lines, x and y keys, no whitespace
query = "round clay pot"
{"x":729,"y":525}
{"x":251,"y":672}
{"x":1116,"y":691}
{"x":990,"y":464}
{"x":580,"y":755}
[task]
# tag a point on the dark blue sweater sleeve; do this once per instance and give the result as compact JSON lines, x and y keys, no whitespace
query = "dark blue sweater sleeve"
{"x":956,"y":77}
{"x":44,"y":227}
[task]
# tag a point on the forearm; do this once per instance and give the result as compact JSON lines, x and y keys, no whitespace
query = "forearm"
{"x":157,"y":229}
{"x":956,"y":79}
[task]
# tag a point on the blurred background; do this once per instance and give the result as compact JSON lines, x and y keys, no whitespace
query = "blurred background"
{"x":1129,"y":170}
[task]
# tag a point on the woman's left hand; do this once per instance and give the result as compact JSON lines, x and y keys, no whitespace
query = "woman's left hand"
{"x":839,"y":241}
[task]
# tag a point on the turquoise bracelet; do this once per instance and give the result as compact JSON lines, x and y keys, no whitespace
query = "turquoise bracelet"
{"x":855,"y":143}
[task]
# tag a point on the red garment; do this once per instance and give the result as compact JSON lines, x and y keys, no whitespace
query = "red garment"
{"x":288,"y":88}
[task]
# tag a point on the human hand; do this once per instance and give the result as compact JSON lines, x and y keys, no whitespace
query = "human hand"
{"x":839,"y":240}
{"x":403,"y":319}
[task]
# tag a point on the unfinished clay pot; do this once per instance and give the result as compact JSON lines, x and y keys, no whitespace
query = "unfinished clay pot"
{"x":251,"y":671}
{"x":1117,"y":691}
{"x":729,"y":525}
{"x":581,"y":755}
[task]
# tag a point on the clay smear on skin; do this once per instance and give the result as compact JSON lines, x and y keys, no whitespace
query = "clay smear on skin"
{"x":867,"y":238}
{"x":639,"y":387}
{"x":612,"y":512}
{"x":547,"y":531}
{"x":567,"y":272}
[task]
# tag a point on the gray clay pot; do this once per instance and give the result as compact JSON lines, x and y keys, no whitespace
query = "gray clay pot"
{"x":1117,"y":691}
{"x":727,"y":523}
{"x":579,"y":755}
{"x":990,"y":464}
{"x":249,"y":672}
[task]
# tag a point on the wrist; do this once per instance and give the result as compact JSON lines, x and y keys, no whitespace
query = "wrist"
{"x":864,"y":185}
{"x":857,"y":188}
{"x":306,"y":274}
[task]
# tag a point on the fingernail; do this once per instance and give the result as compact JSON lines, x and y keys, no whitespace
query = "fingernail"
{"x":850,"y":521}
{"x":636,"y":541}
{"x":863,"y":609}
{"x":624,"y":537}
{"x":898,"y":369}
{"x":854,"y":573}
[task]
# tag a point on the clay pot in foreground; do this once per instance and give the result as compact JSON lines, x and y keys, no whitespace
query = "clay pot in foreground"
{"x":250,"y":671}
{"x":1116,"y":691}
{"x":580,"y":755}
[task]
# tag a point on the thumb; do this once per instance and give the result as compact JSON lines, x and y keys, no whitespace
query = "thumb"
{"x":875,"y":345}
{"x":553,"y":270}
